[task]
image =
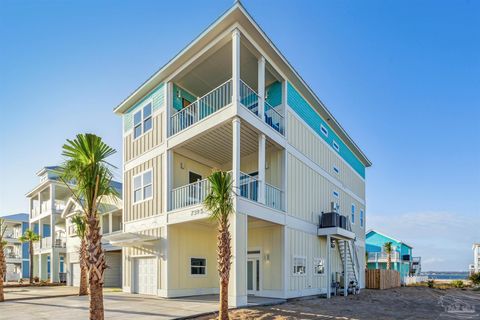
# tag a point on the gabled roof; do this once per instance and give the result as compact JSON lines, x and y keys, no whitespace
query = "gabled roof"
{"x":21,"y":217}
{"x":386,"y":236}
{"x":238,"y":14}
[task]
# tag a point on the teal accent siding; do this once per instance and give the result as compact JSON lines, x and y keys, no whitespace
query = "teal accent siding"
{"x":158,"y":101}
{"x":314,"y":120}
{"x":274,"y":94}
{"x":177,"y":101}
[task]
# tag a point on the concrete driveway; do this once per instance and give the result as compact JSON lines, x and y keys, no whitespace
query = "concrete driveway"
{"x":117,"y":305}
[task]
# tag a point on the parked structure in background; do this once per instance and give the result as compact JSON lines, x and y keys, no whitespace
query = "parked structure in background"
{"x":16,"y":253}
{"x":476,"y":257}
{"x":110,"y":212}
{"x":402,"y":259}
{"x":51,"y":207}
{"x":230,"y":100}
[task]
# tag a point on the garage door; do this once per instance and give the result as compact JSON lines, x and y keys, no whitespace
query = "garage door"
{"x":145,"y":276}
{"x":113,"y":274}
{"x":75,"y":267}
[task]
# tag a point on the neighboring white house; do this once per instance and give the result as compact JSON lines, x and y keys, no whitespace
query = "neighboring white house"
{"x":230,"y":100}
{"x":476,"y":257}
{"x":56,"y":254}
{"x":110,"y":212}
{"x":16,"y":253}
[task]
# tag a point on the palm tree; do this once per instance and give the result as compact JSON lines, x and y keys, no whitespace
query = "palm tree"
{"x":88,"y":175}
{"x":81,"y":231}
{"x":30,"y":236}
{"x":3,"y":263}
{"x":387,"y":247}
{"x":219,"y":202}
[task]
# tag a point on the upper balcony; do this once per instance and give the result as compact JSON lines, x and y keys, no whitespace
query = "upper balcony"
{"x":49,"y":200}
{"x":383,"y":256}
{"x":209,"y":85}
{"x":13,"y":253}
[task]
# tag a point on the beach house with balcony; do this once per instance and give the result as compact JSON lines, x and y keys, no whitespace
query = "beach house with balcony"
{"x":401,"y":257}
{"x":47,"y":201}
{"x":231,"y":101}
{"x":110,"y":216}
{"x":16,"y":253}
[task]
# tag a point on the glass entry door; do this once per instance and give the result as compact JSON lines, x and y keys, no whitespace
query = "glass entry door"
{"x":253,"y":275}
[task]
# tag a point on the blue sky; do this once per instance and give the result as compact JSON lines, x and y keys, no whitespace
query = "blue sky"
{"x":403,"y":78}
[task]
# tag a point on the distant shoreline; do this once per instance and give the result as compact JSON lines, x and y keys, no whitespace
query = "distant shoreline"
{"x":439,"y":275}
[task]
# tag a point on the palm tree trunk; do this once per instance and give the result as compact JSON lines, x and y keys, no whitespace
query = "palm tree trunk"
{"x":96,"y":264}
{"x":3,"y":269}
{"x":31,"y":260}
{"x":224,"y":264}
{"x":83,"y":290}
{"x":389,"y":261}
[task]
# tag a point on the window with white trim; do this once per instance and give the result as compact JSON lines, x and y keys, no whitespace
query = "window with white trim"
{"x":335,"y":194}
{"x":299,"y":265}
{"x":336,"y":170}
{"x":143,"y":186}
{"x":361,"y":217}
{"x":142,"y":121}
{"x":335,"y":146}
{"x":198,"y":266}
{"x":353,"y":213}
{"x":324,"y":130}
{"x":318,"y":266}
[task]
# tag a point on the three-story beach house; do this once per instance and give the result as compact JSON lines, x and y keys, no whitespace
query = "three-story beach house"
{"x":16,"y":253}
{"x":231,"y":101}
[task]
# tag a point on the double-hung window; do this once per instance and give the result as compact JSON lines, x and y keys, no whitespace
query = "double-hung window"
{"x":361,"y":217}
{"x":142,"y":121}
{"x":319,"y":266}
{"x":299,"y":265}
{"x":142,"y":186}
{"x":353,"y":213}
{"x":198,"y":266}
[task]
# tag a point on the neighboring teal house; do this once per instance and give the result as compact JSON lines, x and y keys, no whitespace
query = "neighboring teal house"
{"x":401,"y":256}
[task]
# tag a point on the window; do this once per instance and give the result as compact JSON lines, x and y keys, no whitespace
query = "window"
{"x":319,"y":266}
{"x":361,"y":218}
{"x":335,"y":146}
{"x":142,"y":186}
{"x":335,"y":194}
{"x":324,"y":130}
{"x":299,"y":265}
{"x":142,"y":121}
{"x":198,"y":266}
{"x":336,"y":170}
{"x":353,"y":213}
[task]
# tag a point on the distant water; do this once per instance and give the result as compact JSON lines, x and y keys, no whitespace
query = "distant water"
{"x":446,"y":275}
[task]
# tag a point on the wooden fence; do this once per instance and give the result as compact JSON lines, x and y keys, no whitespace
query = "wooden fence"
{"x":381,"y":279}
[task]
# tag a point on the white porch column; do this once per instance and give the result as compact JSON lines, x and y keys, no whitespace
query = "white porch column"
{"x":235,"y":65}
{"x":345,"y":273}
{"x":237,"y":291}
{"x":167,"y":180}
{"x":261,"y":87}
{"x":110,"y":223}
{"x":261,"y":168}
{"x":52,"y":197}
{"x":168,"y":109}
{"x":54,"y":266}
{"x":328,"y":264}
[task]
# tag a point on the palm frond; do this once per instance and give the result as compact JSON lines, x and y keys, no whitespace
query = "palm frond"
{"x":219,"y":201}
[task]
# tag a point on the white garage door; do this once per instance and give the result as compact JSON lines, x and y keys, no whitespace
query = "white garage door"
{"x":145,"y":276}
{"x":75,"y":267}
{"x":113,"y":274}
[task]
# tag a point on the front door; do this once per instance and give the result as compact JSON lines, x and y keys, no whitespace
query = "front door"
{"x":253,"y":275}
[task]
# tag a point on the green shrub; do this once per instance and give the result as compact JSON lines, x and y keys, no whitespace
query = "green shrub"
{"x":457,"y":283}
{"x":475,"y":278}
{"x":430,"y":283}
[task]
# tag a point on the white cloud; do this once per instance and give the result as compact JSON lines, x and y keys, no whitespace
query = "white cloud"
{"x":443,"y":239}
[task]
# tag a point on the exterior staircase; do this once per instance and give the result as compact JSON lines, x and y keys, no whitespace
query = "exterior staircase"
{"x":347,"y":250}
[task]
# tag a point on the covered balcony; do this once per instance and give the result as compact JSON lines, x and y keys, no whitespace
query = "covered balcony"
{"x":50,"y":199}
{"x":210,"y":85}
{"x":194,"y":161}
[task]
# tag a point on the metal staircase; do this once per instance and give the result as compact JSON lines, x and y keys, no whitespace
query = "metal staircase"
{"x":346,"y":252}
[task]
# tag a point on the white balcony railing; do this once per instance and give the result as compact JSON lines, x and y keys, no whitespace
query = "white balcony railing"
{"x":273,"y":197}
{"x":273,"y":118}
{"x":382,"y":256}
{"x":249,"y":186}
{"x":210,"y":103}
{"x":35,"y":211}
{"x":248,"y":97}
{"x":36,"y":246}
{"x":46,"y":206}
{"x":190,"y":194}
